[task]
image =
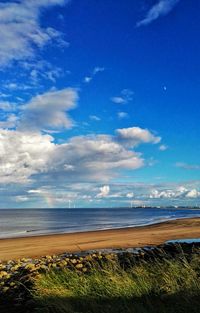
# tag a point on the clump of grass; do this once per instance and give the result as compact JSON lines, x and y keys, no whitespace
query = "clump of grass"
{"x":149,"y":287}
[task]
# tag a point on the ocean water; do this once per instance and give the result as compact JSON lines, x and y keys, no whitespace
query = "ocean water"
{"x":32,"y":222}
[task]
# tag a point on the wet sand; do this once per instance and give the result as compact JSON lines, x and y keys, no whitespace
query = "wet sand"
{"x":104,"y":239}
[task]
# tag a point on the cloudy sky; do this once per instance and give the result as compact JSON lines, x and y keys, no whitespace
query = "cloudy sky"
{"x":99,"y":103}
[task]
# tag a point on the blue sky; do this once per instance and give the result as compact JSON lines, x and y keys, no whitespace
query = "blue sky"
{"x":99,"y":103}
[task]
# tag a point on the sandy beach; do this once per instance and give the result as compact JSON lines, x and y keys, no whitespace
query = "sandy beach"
{"x":118,"y":238}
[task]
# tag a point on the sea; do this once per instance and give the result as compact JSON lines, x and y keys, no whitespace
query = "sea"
{"x":32,"y":222}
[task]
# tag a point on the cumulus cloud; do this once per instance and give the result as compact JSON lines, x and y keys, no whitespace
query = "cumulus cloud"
{"x":180,"y":192}
{"x":31,"y":155}
{"x":155,"y":194}
{"x":45,"y":112}
{"x":97,"y":157}
{"x":28,"y":152}
{"x":161,"y":8}
{"x":125,"y":96}
{"x":20,"y":29}
{"x":49,"y":110}
{"x":23,"y":155}
{"x":133,"y":136}
{"x":193,"y":194}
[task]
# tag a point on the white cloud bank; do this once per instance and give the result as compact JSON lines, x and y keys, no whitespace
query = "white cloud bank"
{"x":28,"y":155}
{"x":92,"y":158}
{"x":162,"y":8}
{"x":178,"y":193}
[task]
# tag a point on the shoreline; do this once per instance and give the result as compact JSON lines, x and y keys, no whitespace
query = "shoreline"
{"x":162,"y":221}
{"x":139,"y":236}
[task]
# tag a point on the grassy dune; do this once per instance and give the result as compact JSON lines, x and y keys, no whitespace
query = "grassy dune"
{"x":162,"y":280}
{"x":165,"y":286}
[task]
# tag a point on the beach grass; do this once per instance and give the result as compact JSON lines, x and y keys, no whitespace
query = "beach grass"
{"x":163,"y":279}
{"x":161,"y":286}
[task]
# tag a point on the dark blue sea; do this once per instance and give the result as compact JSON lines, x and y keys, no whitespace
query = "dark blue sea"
{"x":31,"y":222}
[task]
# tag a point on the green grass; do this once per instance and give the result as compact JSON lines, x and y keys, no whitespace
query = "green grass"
{"x":169,"y":286}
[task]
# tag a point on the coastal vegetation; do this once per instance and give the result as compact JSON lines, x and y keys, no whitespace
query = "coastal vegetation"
{"x":164,"y":279}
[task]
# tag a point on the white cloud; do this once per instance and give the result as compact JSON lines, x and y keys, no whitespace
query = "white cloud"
{"x":133,"y":136}
{"x":118,"y":100}
{"x":98,"y":69}
{"x":125,"y":96}
{"x":49,"y":110}
{"x":163,"y":147}
{"x":21,"y":32}
{"x":155,"y":194}
{"x":12,"y":87}
{"x":193,"y":194}
{"x":94,"y":118}
{"x":97,"y":157}
{"x":35,"y":191}
{"x":180,"y":192}
{"x":104,"y":191}
{"x":122,"y":115}
{"x":87,"y":79}
{"x":23,"y":155}
{"x":39,"y":70}
{"x":26,"y":156}
{"x":51,"y":193}
{"x":161,"y":8}
{"x":30,"y":157}
{"x":49,"y":74}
